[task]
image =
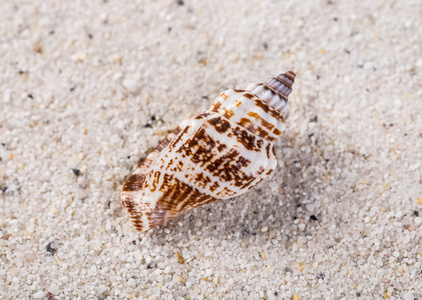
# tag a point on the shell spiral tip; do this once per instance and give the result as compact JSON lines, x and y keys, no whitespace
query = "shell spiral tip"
{"x":282,"y":83}
{"x":291,"y":75}
{"x":287,"y":78}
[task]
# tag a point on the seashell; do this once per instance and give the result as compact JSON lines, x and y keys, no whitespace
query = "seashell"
{"x":217,"y":154}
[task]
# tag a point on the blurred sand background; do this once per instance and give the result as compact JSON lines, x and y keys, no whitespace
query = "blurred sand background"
{"x":88,"y":87}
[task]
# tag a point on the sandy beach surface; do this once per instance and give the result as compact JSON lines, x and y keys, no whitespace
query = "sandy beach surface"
{"x":88,"y":88}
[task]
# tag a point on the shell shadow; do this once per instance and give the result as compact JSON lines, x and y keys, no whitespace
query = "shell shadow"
{"x":290,"y":194}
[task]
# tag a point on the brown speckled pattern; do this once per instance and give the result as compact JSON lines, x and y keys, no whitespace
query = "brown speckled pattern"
{"x":218,"y":154}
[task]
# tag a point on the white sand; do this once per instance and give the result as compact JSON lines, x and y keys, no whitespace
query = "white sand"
{"x":79,"y":84}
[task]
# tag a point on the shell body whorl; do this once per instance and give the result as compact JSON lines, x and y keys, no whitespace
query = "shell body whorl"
{"x":215,"y":155}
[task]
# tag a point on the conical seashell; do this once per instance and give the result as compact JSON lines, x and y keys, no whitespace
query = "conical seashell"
{"x":218,"y":154}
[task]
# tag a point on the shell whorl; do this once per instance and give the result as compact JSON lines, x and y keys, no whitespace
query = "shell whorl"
{"x":282,"y":83}
{"x":274,"y":91}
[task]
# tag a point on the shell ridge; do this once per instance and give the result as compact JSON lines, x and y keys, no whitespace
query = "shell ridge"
{"x":131,"y":196}
{"x":180,"y":175}
{"x":245,"y":104}
{"x":233,"y":143}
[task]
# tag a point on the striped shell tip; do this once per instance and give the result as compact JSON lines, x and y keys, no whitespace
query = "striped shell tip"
{"x":291,"y":75}
{"x":287,"y":78}
{"x":282,"y":83}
